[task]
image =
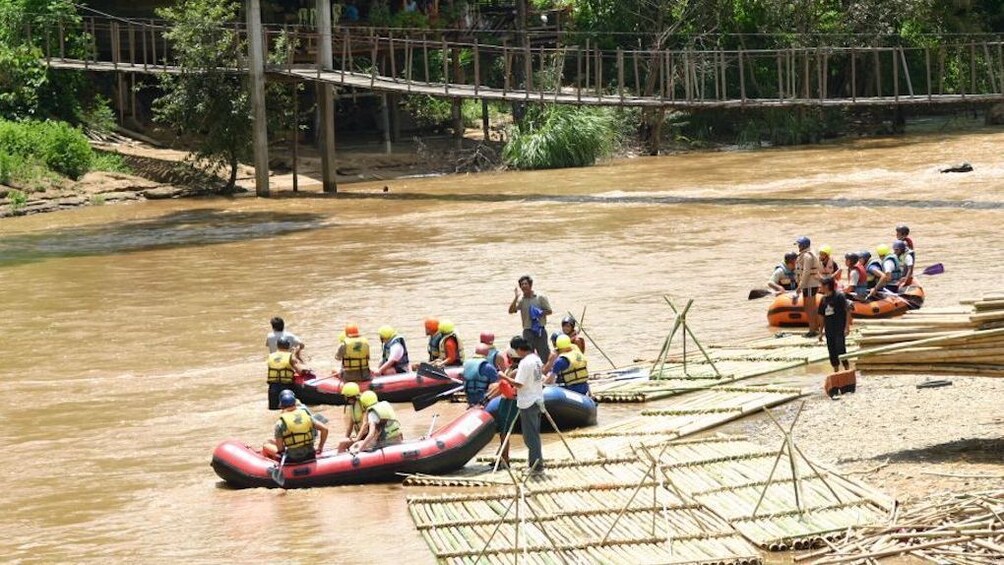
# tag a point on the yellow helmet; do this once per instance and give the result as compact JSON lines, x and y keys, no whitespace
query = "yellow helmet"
{"x":386,"y":332}
{"x":563,"y":342}
{"x":350,"y":390}
{"x":446,"y":327}
{"x":883,"y":250}
{"x":826,"y":249}
{"x":341,"y":337}
{"x":368,"y":398}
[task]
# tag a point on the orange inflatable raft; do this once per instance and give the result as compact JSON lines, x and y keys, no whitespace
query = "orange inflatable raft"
{"x":783,"y":313}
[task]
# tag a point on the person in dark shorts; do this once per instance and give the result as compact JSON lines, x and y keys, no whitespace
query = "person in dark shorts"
{"x":835,"y":310}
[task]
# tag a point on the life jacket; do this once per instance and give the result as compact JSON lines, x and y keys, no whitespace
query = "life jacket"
{"x":403,"y":364}
{"x":475,"y":384}
{"x":390,"y":431}
{"x":356,"y":359}
{"x":442,"y":347}
{"x":861,"y":288}
{"x":576,"y":372}
{"x":787,"y":277}
{"x":434,"y":341}
{"x":813,"y":270}
{"x":356,"y":414}
{"x":507,"y":390}
{"x":492,"y":357}
{"x":872,"y":280}
{"x":299,"y":430}
{"x":897,"y":270}
{"x":280,"y":369}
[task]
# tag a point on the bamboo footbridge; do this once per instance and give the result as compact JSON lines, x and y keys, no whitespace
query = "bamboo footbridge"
{"x":425,"y":62}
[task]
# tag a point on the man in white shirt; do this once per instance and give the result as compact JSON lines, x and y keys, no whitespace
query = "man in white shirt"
{"x":529,"y":382}
{"x":278,"y":332}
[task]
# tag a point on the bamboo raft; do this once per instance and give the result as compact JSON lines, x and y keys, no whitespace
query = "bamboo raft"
{"x":963,"y":529}
{"x":963,"y":341}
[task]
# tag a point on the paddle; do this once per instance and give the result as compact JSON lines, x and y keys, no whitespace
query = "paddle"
{"x":427,"y":370}
{"x":426,"y":400}
{"x":935,"y":269}
{"x":276,"y":472}
{"x":759,"y":293}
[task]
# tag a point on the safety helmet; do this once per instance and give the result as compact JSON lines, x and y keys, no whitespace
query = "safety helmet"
{"x":568,"y":320}
{"x":899,"y":246}
{"x":883,"y":250}
{"x":852,"y":257}
{"x":287,"y":398}
{"x":487,"y":337}
{"x":790,"y":256}
{"x":283,"y":343}
{"x":431,"y":325}
{"x":351,"y":330}
{"x":341,"y":336}
{"x":563,"y":342}
{"x":826,"y":249}
{"x":482,"y":350}
{"x":350,"y":390}
{"x":386,"y":332}
{"x":554,"y":337}
{"x":368,"y":398}
{"x":903,"y":229}
{"x":802,"y":242}
{"x":446,"y":327}
{"x":865,"y":255}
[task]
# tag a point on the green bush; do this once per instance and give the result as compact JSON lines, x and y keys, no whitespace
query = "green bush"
{"x":560,"y":136}
{"x":62,"y":148}
{"x":109,"y":162}
{"x":17,"y":200}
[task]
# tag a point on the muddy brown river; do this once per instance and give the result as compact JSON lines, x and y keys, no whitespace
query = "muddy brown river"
{"x":133,"y":334}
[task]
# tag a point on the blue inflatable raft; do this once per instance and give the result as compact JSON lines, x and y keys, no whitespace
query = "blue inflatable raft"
{"x":568,"y":408}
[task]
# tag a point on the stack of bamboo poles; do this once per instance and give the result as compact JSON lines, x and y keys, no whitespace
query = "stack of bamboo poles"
{"x":964,"y":341}
{"x":964,"y":529}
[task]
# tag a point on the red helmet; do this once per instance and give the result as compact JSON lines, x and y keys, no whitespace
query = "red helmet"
{"x":352,"y":330}
{"x":431,"y":326}
{"x":487,"y":337}
{"x":482,"y":349}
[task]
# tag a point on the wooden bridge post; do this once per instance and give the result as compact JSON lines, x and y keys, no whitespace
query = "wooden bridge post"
{"x":854,"y":76}
{"x":895,"y":76}
{"x":256,"y":68}
{"x":326,"y":98}
{"x":742,"y":80}
{"x":620,"y":73}
{"x":906,"y":72}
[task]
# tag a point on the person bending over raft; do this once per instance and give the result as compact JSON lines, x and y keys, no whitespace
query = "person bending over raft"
{"x":451,"y":352}
{"x":355,"y":356}
{"x":394,"y":358}
{"x":380,"y":427}
{"x":479,"y":374}
{"x":857,"y":279}
{"x":836,"y":314}
{"x":353,"y":416}
{"x":282,"y":366}
{"x":568,"y":366}
{"x":827,"y":266}
{"x":568,"y":327}
{"x":783,"y":278}
{"x":294,"y":432}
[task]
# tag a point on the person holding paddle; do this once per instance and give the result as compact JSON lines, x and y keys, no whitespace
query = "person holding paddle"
{"x":783,"y":278}
{"x":294,"y":432}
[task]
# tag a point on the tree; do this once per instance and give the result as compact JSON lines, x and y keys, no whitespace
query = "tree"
{"x":209,"y":101}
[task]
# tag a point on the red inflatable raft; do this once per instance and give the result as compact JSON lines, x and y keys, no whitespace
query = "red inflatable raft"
{"x":448,"y":449}
{"x":401,"y":387}
{"x":784,"y":313}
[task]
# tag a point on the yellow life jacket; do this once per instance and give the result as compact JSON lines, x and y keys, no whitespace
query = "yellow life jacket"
{"x":356,"y":359}
{"x":576,"y":372}
{"x":280,"y":369}
{"x":299,"y":430}
{"x":356,"y":414}
{"x":460,"y":347}
{"x":390,"y":431}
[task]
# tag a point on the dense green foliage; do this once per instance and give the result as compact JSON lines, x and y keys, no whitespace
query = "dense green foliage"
{"x":560,"y":136}
{"x":60,"y":147}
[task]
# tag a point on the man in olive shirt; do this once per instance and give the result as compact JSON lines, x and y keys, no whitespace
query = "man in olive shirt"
{"x":533,"y":309}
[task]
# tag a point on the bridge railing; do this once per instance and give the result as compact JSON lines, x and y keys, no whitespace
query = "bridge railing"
{"x":464,"y":63}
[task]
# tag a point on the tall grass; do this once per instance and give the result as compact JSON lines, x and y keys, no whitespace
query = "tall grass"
{"x":553,"y":137}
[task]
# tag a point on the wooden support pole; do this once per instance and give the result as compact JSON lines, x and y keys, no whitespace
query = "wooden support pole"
{"x":972,"y":67}
{"x":742,"y":79}
{"x":296,"y":136}
{"x":477,"y":73}
{"x":346,"y":54}
{"x":927,"y":68}
{"x":578,"y":73}
{"x":780,"y":79}
{"x":485,"y":129}
{"x":895,"y":76}
{"x":527,"y":67}
{"x":326,"y":97}
{"x":692,"y":336}
{"x":385,"y":122}
{"x":506,"y":83}
{"x":637,"y":78}
{"x":256,"y":69}
{"x":620,"y":73}
{"x":586,"y":82}
{"x":391,"y":56}
{"x":990,"y":66}
{"x":906,"y":72}
{"x":878,"y":73}
{"x":425,"y":57}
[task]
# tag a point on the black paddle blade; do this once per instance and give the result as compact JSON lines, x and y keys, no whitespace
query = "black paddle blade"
{"x":427,"y":370}
{"x":276,"y":472}
{"x":759,"y":293}
{"x":424,"y":401}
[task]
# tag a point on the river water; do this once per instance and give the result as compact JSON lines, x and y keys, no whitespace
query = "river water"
{"x":134,"y":333}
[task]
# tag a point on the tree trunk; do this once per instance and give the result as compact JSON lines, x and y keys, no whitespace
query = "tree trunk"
{"x":232,"y":181}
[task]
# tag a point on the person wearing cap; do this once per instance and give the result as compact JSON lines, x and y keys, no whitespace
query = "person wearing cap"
{"x":568,"y":366}
{"x":479,"y":374}
{"x":451,"y":351}
{"x":569,"y":328}
{"x":529,"y":380}
{"x":783,"y":278}
{"x":380,"y":426}
{"x":282,"y":366}
{"x":494,"y":356}
{"x":807,"y":283}
{"x":836,"y":313}
{"x":827,"y":266}
{"x":394,"y":357}
{"x":353,"y":416}
{"x":903,"y":234}
{"x":295,"y":431}
{"x":905,"y":257}
{"x":533,"y":310}
{"x":354,"y":353}
{"x":278,"y":332}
